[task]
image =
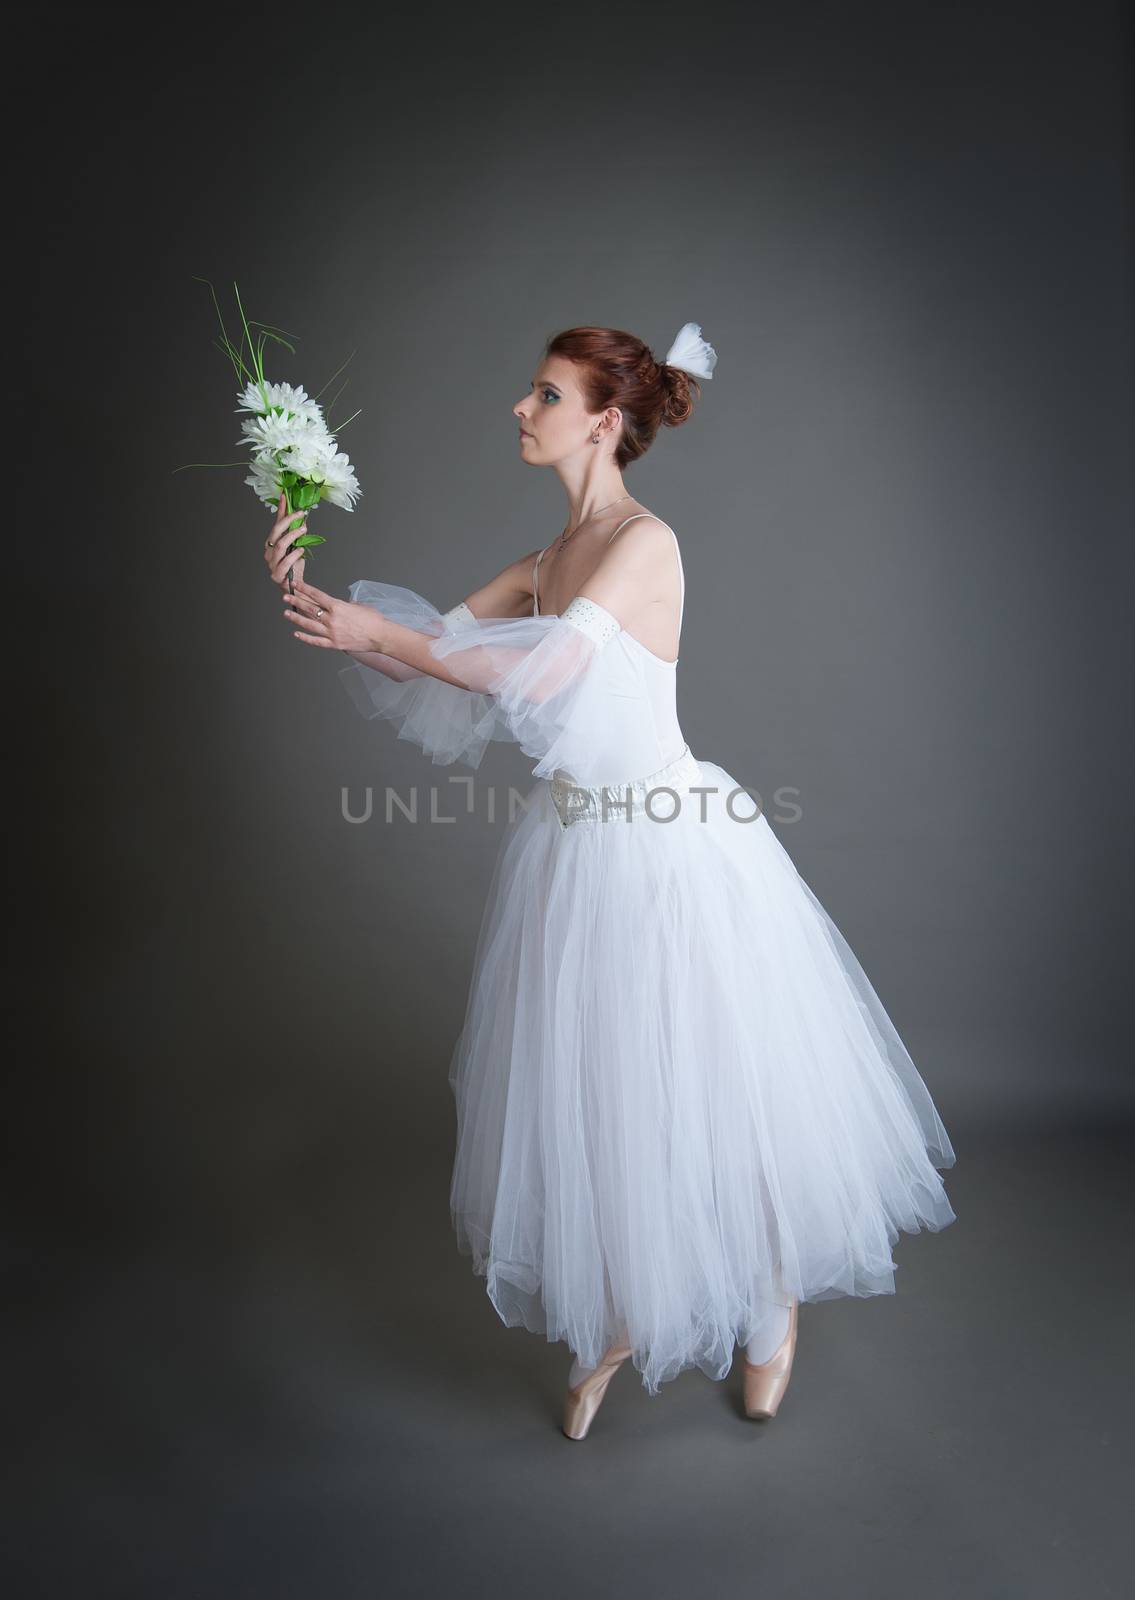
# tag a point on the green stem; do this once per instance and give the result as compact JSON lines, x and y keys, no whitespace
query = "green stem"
{"x":292,"y":526}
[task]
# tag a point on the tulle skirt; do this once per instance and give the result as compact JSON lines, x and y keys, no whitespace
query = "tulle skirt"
{"x":680,"y":1102}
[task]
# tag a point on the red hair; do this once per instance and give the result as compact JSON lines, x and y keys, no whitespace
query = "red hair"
{"x":617,"y":369}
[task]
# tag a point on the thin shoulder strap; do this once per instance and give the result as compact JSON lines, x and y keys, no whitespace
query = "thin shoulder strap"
{"x":633,"y":518}
{"x":677,"y":552}
{"x":535,"y":589}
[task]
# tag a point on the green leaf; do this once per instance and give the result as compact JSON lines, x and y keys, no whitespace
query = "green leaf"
{"x":306,"y":540}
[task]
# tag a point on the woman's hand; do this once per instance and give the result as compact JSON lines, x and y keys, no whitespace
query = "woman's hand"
{"x":277,"y":557}
{"x":330,"y":623}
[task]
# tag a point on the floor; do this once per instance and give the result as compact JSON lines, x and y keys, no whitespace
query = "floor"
{"x":282,"y":1421}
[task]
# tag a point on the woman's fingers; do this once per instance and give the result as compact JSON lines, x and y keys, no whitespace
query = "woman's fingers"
{"x":294,"y":558}
{"x":308,"y":603}
{"x":282,"y":556}
{"x":278,"y":541}
{"x":310,"y":592}
{"x":283,"y":518}
{"x":281,"y":560}
{"x":310,"y":625}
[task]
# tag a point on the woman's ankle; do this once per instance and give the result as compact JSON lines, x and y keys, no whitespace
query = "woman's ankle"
{"x":768,"y":1337}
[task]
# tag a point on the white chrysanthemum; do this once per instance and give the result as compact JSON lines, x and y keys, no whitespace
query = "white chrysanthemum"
{"x":276,"y":432}
{"x":313,"y":460}
{"x":264,"y":480}
{"x":307,"y":453}
{"x":265,"y":398}
{"x":340,"y":485}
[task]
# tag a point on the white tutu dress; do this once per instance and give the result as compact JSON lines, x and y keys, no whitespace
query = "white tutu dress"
{"x":680,"y":1102}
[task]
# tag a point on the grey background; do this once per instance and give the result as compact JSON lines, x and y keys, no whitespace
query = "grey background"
{"x":252,"y":1362}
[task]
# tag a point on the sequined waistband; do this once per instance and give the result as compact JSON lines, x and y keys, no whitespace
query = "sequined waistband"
{"x":614,"y":802}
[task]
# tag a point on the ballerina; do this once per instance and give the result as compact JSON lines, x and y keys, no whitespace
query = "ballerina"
{"x":682,"y":1109}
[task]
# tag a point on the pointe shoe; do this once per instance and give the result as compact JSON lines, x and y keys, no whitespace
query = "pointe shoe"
{"x":765,"y":1384}
{"x":581,"y":1403}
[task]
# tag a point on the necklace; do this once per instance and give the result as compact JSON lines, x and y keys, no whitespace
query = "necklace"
{"x":565,"y":536}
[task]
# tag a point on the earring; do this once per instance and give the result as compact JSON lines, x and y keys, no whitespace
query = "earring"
{"x":594,"y":438}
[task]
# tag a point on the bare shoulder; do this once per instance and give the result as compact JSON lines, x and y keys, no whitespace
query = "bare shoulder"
{"x":637,"y":571}
{"x":645,"y":542}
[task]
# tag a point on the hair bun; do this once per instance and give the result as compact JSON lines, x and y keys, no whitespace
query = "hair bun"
{"x":617,"y":368}
{"x":679,"y":402}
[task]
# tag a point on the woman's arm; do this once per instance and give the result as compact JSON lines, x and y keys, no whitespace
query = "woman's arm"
{"x":391,"y":648}
{"x":398,"y":670}
{"x":497,"y":672}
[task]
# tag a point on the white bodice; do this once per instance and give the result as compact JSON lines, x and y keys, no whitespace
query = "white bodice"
{"x":635,"y":724}
{"x":641,"y":721}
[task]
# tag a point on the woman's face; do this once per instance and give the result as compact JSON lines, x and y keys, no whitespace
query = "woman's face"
{"x":553,"y":420}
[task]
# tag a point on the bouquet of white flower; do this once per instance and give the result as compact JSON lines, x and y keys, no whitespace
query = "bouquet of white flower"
{"x":294,"y":451}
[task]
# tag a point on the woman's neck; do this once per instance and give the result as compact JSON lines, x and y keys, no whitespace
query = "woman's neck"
{"x":591,"y":489}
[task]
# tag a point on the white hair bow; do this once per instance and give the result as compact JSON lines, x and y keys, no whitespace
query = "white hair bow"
{"x":691,"y":352}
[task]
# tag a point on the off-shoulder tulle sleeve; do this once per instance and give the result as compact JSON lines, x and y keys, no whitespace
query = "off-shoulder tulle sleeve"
{"x":448,"y":722}
{"x":526,"y":679}
{"x":538,"y":672}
